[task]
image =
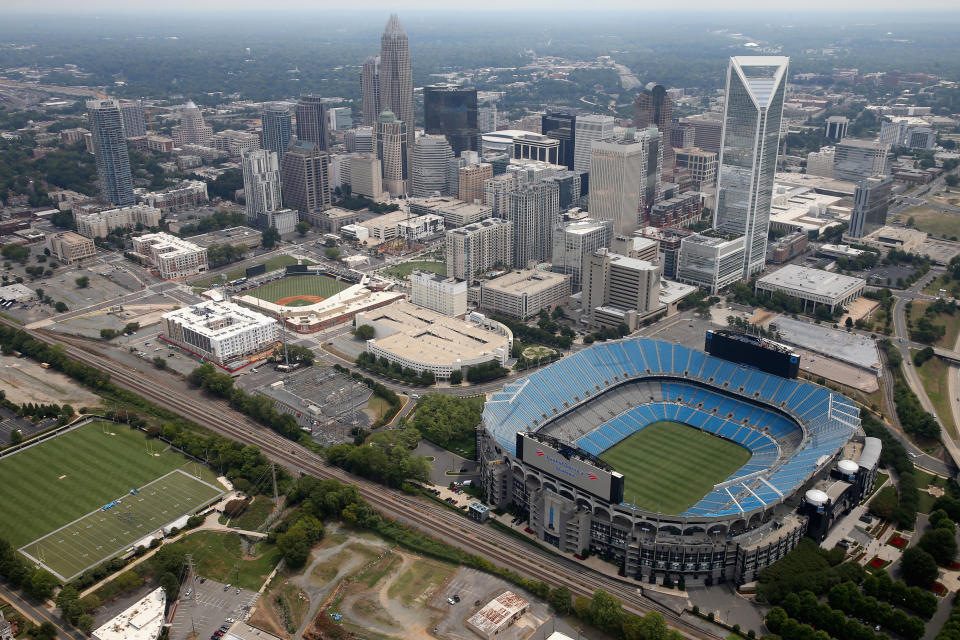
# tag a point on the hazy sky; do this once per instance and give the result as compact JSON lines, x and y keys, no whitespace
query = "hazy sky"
{"x":168,"y":6}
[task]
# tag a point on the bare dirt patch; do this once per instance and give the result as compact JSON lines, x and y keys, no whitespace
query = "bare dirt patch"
{"x":24,"y":380}
{"x":298,"y":301}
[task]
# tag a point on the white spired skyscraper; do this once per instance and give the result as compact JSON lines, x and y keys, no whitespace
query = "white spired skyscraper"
{"x":396,"y":78}
{"x":748,"y":152}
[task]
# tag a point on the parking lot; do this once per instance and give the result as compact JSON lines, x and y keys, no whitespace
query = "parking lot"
{"x":207,"y":607}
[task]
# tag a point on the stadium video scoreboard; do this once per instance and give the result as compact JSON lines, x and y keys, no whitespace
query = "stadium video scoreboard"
{"x":752,"y":351}
{"x":566,"y":463}
{"x":256,"y":270}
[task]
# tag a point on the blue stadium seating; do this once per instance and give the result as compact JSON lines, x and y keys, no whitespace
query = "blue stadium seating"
{"x":583,"y":375}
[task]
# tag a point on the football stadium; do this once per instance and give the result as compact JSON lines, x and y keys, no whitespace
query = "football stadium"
{"x":675,"y":465}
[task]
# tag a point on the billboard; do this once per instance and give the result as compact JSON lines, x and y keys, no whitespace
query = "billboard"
{"x":297,"y":268}
{"x":753,"y":352}
{"x":568,"y":464}
{"x":256,"y":270}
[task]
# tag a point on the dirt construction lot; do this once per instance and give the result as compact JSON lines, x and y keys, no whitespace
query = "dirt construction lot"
{"x":383,"y":592}
{"x":24,"y":380}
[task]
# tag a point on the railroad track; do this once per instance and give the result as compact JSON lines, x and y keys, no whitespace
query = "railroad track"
{"x":497,"y":547}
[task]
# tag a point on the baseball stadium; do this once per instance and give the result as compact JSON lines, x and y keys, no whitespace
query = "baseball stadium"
{"x":675,"y":465}
{"x":309,"y":299}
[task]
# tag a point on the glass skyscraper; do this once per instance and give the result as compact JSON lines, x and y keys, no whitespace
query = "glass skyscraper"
{"x":748,"y":153}
{"x":451,"y":111}
{"x":277,"y":128}
{"x":110,"y":152}
{"x":562,"y":127}
{"x":312,"y":119}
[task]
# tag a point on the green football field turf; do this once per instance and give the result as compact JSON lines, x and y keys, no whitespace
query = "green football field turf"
{"x":49,"y":485}
{"x":320,"y":286}
{"x":669,"y":466}
{"x":86,"y":542}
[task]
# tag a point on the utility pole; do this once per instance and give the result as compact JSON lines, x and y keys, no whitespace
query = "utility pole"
{"x":273,"y":469}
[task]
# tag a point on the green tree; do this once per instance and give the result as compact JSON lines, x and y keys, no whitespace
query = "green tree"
{"x":82,"y":282}
{"x":170,"y":584}
{"x":952,"y":180}
{"x":559,"y":599}
{"x":302,"y":227}
{"x":940,"y":543}
{"x":332,"y":253}
{"x":269,"y":238}
{"x":919,"y":568}
{"x":60,"y":307}
{"x":364,"y":332}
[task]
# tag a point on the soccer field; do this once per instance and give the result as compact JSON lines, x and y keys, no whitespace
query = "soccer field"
{"x":89,"y":540}
{"x":669,"y":466}
{"x":319,"y":286}
{"x":49,"y":485}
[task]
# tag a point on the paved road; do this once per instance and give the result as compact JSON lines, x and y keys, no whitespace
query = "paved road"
{"x":39,"y":614}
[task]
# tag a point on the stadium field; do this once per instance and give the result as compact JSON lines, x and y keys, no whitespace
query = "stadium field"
{"x":51,"y":484}
{"x":669,"y":466}
{"x":89,"y":540}
{"x":293,"y":286}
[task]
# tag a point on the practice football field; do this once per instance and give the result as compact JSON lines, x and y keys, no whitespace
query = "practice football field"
{"x":86,"y":542}
{"x":669,"y":466}
{"x":319,"y":286}
{"x":50,"y":485}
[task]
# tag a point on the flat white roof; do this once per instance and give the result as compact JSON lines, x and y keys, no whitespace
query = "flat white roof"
{"x":218,"y":319}
{"x":811,"y":281}
{"x":142,"y":621}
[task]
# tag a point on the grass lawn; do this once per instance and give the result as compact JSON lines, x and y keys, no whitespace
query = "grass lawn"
{"x":277,"y":262}
{"x":378,"y":407}
{"x":421,"y":578}
{"x":51,"y":484}
{"x":320,"y":286}
{"x":933,"y":376}
{"x":951,"y":322}
{"x":943,"y":281}
{"x":254,"y":515}
{"x":881,"y":478}
{"x":933,"y":222}
{"x":218,"y":555}
{"x":537,"y":351}
{"x":404,"y":269}
{"x":669,"y":466}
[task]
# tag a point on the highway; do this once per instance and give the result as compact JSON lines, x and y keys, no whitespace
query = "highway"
{"x":500,"y":549}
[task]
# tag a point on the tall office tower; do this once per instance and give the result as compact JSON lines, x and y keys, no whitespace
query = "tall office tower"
{"x":359,"y":140}
{"x":479,"y":247}
{"x":573,"y":244}
{"x":836,"y":127}
{"x":392,"y":143}
{"x":534,"y":210}
{"x":570,"y":187}
{"x":471,"y":179}
{"x":618,"y":289}
{"x":702,"y":166}
{"x":396,"y":79}
{"x":261,"y":183}
{"x":110,"y":152}
{"x":277,"y":128}
{"x":305,"y":180}
{"x":535,"y":146}
{"x":134,"y":118}
{"x":681,"y":136}
{"x":589,"y":129}
{"x":870,"y":202}
{"x":748,"y":157}
{"x":820,"y":163}
{"x":654,"y":108}
{"x":625,"y":178}
{"x":451,"y":111}
{"x":366,"y":178}
{"x":855,"y":159}
{"x":707,"y":130}
{"x":487,"y":118}
{"x":370,"y":90}
{"x":562,"y":127}
{"x":192,"y":129}
{"x":312,"y":118}
{"x":430,"y":162}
